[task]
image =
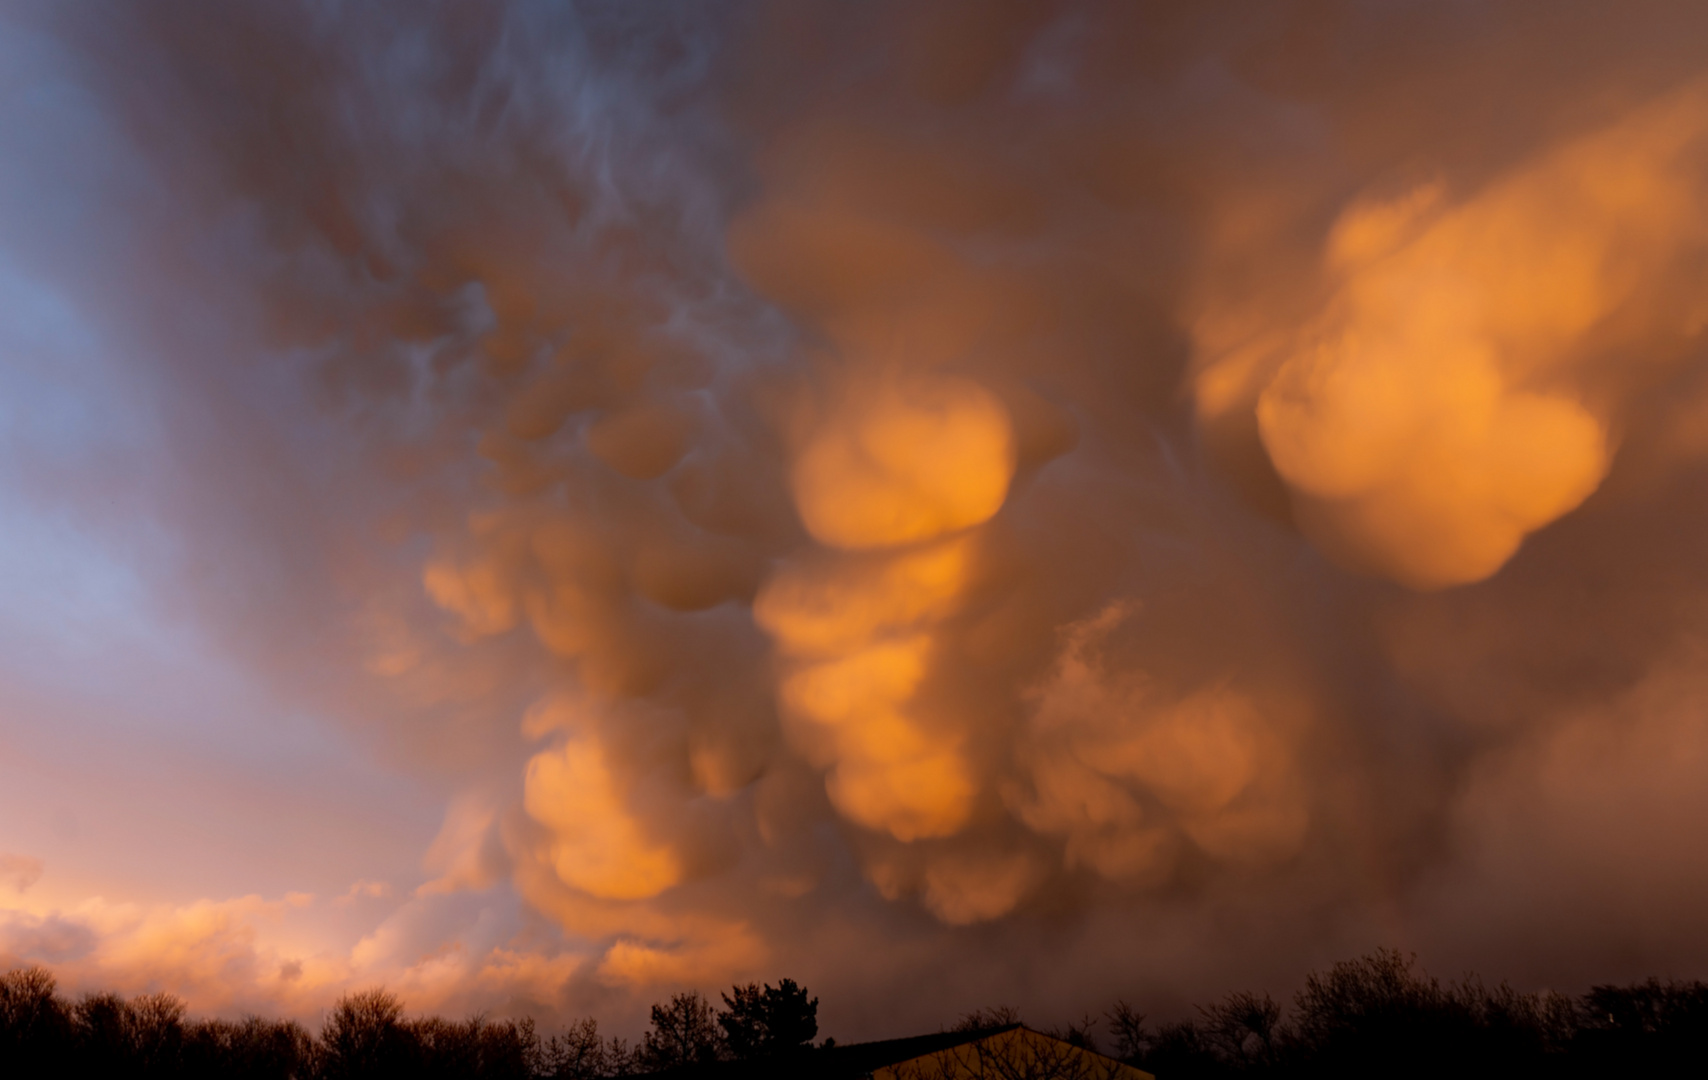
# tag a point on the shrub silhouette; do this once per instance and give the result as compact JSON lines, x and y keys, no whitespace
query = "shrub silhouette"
{"x":983,"y":1019}
{"x":1379,"y":1015}
{"x":1080,"y":1034}
{"x":1376,"y":1012}
{"x":1649,"y":1028}
{"x":1244,"y":1029}
{"x":1180,"y":1049}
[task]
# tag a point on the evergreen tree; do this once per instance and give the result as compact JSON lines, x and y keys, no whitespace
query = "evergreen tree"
{"x":757,"y":1021}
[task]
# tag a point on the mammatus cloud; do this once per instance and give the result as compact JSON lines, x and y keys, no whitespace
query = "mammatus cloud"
{"x":913,"y":467}
{"x":1459,"y":387}
{"x":1126,"y":778}
{"x":918,"y":498}
{"x":596,"y":848}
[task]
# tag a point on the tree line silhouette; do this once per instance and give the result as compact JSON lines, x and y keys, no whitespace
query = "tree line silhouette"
{"x":1377,"y":1015}
{"x":367,"y":1035}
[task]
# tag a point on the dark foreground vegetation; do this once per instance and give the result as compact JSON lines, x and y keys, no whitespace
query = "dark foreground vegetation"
{"x":367,"y":1035}
{"x":1377,"y":1016}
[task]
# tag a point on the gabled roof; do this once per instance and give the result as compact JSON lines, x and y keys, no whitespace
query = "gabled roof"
{"x":1009,"y":1052}
{"x":863,"y":1059}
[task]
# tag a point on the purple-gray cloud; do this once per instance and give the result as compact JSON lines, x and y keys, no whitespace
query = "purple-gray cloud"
{"x":990,"y":501}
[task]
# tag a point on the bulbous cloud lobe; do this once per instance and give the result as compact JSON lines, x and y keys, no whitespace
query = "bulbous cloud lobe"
{"x":1442,"y":404}
{"x":928,"y":459}
{"x":596,"y":847}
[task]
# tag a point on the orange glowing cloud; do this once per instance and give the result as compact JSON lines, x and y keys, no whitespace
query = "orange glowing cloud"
{"x":782,"y":418}
{"x":248,"y":953}
{"x":598,"y":846}
{"x":911,"y":463}
{"x":915,"y":463}
{"x":855,"y":637}
{"x":1438,"y":407}
{"x":1124,"y":774}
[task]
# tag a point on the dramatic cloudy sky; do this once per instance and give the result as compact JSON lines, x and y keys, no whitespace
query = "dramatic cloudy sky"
{"x":541,"y":505}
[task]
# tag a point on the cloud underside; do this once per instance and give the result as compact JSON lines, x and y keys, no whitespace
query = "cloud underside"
{"x":821,"y":484}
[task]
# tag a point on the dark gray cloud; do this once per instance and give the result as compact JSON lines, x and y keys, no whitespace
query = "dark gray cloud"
{"x":990,"y":501}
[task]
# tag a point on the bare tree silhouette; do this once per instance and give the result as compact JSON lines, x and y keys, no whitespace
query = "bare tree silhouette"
{"x":476,"y":1047}
{"x":364,"y":1038}
{"x":984,"y":1019}
{"x":580,"y":1053}
{"x":249,"y":1049}
{"x":683,"y":1033}
{"x":35,"y":1027}
{"x":1245,"y":1027}
{"x":1127,"y":1025}
{"x":141,"y":1037}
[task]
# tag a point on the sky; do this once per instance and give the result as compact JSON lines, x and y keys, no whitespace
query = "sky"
{"x":541,"y":506}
